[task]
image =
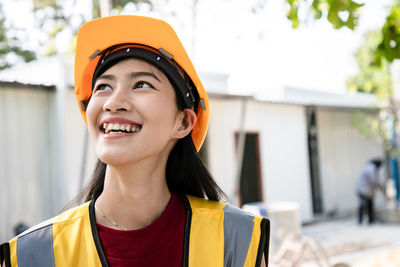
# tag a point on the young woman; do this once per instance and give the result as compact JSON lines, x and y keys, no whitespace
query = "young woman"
{"x":151,"y":201}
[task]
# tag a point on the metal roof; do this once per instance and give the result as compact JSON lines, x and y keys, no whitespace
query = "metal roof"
{"x":49,"y":71}
{"x":299,"y":96}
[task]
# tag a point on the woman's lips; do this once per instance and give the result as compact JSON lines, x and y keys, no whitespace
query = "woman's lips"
{"x":116,"y":127}
{"x":114,"y":135}
{"x":119,"y":125}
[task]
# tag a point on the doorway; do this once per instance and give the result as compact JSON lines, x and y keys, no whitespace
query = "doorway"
{"x":312,"y":133}
{"x":250,"y":175}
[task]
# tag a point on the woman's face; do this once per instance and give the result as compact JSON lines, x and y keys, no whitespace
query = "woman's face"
{"x":132,"y":114}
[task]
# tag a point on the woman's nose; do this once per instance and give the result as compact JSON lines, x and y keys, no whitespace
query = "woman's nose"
{"x":117,"y":101}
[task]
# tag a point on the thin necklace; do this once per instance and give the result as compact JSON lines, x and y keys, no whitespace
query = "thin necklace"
{"x":108,"y":219}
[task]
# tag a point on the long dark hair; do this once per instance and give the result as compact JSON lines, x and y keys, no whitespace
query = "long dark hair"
{"x":185,"y":172}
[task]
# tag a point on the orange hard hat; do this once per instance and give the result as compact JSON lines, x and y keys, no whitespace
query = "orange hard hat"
{"x":97,"y":37}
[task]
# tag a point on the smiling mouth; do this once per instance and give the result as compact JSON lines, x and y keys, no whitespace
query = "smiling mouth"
{"x":108,"y":128}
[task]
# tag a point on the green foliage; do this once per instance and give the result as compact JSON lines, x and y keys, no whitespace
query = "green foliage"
{"x":293,"y":11}
{"x":372,"y":125}
{"x":372,"y":78}
{"x":375,"y":78}
{"x":95,"y":8}
{"x":389,"y":47}
{"x":41,"y":4}
{"x":50,"y":49}
{"x":53,"y":18}
{"x":346,"y":8}
{"x":11,"y":45}
{"x":369,"y":124}
{"x":340,"y":13}
{"x":72,"y":47}
{"x":58,"y":27}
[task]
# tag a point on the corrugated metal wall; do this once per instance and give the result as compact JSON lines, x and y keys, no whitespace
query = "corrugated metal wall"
{"x":30,"y":188}
{"x":342,"y":153}
{"x":26,"y":119}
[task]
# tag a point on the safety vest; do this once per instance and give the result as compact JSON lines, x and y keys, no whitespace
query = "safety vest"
{"x":216,"y":234}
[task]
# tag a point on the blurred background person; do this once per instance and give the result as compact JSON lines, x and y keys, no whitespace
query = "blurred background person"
{"x":367,"y":183}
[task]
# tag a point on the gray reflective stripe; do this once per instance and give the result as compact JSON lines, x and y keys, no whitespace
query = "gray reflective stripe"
{"x":238,"y":229}
{"x":35,"y":248}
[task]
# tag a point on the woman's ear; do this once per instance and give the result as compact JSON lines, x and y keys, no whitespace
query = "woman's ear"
{"x":187,"y":123}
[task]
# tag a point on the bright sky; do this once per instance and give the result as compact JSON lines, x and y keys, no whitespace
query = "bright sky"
{"x":261,"y":52}
{"x":270,"y":54}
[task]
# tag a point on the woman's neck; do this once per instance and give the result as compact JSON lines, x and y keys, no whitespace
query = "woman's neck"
{"x":133,"y":196}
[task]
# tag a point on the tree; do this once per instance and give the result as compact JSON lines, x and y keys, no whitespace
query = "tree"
{"x":389,"y":46}
{"x":11,"y":46}
{"x":376,"y":79}
{"x":346,"y":13}
{"x":372,"y":78}
{"x":380,"y":48}
{"x":54,"y":18}
{"x":340,"y":13}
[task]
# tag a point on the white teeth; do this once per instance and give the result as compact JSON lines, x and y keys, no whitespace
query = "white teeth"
{"x":109,"y":127}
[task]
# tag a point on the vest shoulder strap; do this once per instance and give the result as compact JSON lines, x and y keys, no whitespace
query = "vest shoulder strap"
{"x":224,"y":235}
{"x":238,"y":232}
{"x":35,"y":246}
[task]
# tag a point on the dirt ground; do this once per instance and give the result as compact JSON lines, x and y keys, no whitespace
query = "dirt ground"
{"x":388,"y":258}
{"x":345,"y":243}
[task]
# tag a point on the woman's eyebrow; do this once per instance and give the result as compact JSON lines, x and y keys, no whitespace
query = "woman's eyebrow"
{"x":106,"y":77}
{"x":133,"y":75}
{"x":143,"y":73}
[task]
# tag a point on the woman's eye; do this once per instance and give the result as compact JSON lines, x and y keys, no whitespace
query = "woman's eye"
{"x":143,"y":85}
{"x":103,"y":87}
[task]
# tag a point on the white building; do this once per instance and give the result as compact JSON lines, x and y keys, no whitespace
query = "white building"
{"x":304,"y":147}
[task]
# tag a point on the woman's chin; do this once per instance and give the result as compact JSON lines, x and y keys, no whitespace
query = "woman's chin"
{"x":115,"y":159}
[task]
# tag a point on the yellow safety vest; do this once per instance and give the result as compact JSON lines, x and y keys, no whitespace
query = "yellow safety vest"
{"x":216,"y":234}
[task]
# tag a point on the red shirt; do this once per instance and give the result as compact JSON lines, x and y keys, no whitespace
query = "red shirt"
{"x":159,"y":244}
